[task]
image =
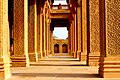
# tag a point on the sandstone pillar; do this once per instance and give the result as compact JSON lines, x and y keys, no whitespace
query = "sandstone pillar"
{"x":38,"y":29}
{"x":4,"y":41}
{"x":52,"y":45}
{"x":20,"y":57}
{"x":60,"y":48}
{"x":69,"y":40}
{"x":79,"y":30}
{"x":41,"y":35}
{"x":84,"y":31}
{"x":49,"y":41}
{"x":109,"y":39}
{"x":71,"y":28}
{"x":75,"y":35}
{"x":45,"y":37}
{"x":48,"y":37}
{"x":32,"y":40}
{"x":94,"y":34}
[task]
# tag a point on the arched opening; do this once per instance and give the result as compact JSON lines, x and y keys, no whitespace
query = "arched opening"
{"x":64,"y":48}
{"x":56,"y":48}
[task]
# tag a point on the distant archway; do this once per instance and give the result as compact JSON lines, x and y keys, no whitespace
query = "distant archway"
{"x":64,"y":48}
{"x":56,"y":48}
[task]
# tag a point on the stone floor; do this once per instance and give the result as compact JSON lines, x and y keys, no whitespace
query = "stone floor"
{"x":58,"y":67}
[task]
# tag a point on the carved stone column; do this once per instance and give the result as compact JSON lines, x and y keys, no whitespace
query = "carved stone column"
{"x":41,"y":36}
{"x":109,"y":66}
{"x":38,"y":29}
{"x":69,"y":40}
{"x":75,"y":36}
{"x":94,"y":33}
{"x":71,"y":28}
{"x":79,"y":30}
{"x":52,"y":46}
{"x":20,"y":57}
{"x":84,"y":31}
{"x":32,"y":40}
{"x":4,"y":41}
{"x":45,"y":37}
{"x":60,"y":47}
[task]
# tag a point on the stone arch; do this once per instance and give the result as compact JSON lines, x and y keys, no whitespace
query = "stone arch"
{"x":65,"y":48}
{"x":56,"y":48}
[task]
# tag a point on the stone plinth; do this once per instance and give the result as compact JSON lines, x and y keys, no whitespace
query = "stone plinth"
{"x":109,"y":67}
{"x":93,"y":59}
{"x":2,"y":72}
{"x":4,"y":69}
{"x":18,"y":61}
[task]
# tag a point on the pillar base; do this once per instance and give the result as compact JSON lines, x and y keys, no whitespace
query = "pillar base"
{"x":18,"y":61}
{"x":83,"y":56}
{"x":109,"y":67}
{"x":93,"y":59}
{"x":78,"y":54}
{"x":39,"y":55}
{"x":4,"y":69}
{"x":33,"y":57}
{"x":75,"y":54}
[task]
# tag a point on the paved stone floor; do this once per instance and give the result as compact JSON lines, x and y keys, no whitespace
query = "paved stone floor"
{"x":58,"y":67}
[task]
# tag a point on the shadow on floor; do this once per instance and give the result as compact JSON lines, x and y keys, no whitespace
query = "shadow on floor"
{"x":63,"y":75}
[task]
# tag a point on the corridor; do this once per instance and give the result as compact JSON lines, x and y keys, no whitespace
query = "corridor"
{"x":57,"y":67}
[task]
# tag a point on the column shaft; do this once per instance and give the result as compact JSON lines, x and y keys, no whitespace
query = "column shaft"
{"x":38,"y":29}
{"x":109,"y":39}
{"x":20,"y":57}
{"x":79,"y":20}
{"x":93,"y":39}
{"x":4,"y":41}
{"x":75,"y":35}
{"x":41,"y":36}
{"x":84,"y":31}
{"x":32,"y":31}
